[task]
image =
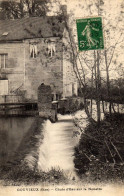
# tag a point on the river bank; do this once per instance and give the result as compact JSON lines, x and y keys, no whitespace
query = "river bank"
{"x":22,"y":167}
{"x":45,"y":154}
{"x":62,"y":153}
{"x":99,"y":156}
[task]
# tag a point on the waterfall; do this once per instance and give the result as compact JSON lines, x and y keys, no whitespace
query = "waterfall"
{"x":57,"y":149}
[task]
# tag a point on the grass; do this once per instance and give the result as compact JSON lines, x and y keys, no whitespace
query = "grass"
{"x":99,"y":157}
{"x":22,"y":174}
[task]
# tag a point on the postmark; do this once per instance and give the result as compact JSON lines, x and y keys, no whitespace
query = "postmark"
{"x":90,"y":33}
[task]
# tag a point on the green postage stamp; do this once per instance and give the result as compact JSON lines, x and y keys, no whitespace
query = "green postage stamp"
{"x":90,"y":33}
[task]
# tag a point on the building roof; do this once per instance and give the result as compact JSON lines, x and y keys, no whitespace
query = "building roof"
{"x":33,"y":27}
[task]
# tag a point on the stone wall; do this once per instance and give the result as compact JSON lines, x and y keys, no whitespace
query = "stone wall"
{"x":70,"y":105}
{"x":70,"y":84}
{"x":45,"y":68}
{"x":14,"y":65}
{"x":25,"y":73}
{"x":45,"y":102}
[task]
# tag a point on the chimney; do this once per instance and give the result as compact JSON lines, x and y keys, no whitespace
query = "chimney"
{"x":63,"y":8}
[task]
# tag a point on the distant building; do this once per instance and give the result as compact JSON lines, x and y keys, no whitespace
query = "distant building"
{"x":32,"y":52}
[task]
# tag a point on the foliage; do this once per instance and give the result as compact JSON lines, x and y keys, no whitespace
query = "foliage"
{"x":116,"y":91}
{"x":15,"y":9}
{"x":92,"y":65}
{"x":99,"y":155}
{"x":22,"y":174}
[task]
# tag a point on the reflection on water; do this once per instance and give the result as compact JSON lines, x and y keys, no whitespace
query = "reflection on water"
{"x":12,"y":131}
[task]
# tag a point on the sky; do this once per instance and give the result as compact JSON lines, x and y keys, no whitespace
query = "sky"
{"x":113,"y":25}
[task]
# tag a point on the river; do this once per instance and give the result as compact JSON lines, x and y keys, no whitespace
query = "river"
{"x":12,"y":131}
{"x":56,"y":150}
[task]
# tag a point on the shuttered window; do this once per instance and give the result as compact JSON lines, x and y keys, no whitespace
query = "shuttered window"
{"x":33,"y":50}
{"x":51,"y":49}
{"x":3,"y":60}
{"x":3,"y":87}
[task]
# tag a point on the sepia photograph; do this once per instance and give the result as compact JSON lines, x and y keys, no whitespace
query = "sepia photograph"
{"x":61,"y":97}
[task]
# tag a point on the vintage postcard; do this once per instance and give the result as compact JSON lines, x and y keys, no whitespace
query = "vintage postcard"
{"x":61,"y":97}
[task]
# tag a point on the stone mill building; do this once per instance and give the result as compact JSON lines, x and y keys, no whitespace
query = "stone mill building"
{"x":33,"y":51}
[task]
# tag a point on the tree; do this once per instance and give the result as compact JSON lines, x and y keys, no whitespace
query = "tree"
{"x":19,"y":9}
{"x":101,"y":60}
{"x":80,"y":74}
{"x":108,"y":56}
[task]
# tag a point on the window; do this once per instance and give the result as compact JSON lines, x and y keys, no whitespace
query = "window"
{"x":33,"y":50}
{"x":51,"y":49}
{"x":3,"y":87}
{"x":3,"y":60}
{"x":5,"y":34}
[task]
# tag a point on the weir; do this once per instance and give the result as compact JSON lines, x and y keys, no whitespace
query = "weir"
{"x":57,"y":149}
{"x":18,"y":109}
